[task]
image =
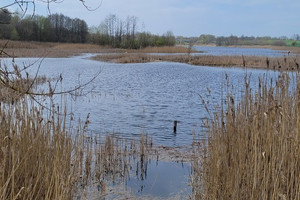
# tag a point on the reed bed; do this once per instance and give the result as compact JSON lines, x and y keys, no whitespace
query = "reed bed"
{"x":252,"y":150}
{"x":37,"y":154}
{"x":50,"y":49}
{"x":285,"y":63}
{"x":41,"y":158}
{"x":17,"y":87}
{"x":11,"y":44}
{"x":166,"y":49}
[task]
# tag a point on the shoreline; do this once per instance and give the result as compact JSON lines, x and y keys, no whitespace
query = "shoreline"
{"x":257,"y":62}
{"x":179,"y":54}
{"x":50,"y":49}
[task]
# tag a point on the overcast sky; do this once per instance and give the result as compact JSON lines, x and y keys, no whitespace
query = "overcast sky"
{"x":192,"y":17}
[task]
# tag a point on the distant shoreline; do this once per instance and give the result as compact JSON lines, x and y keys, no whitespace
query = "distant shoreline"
{"x":48,"y":49}
{"x":258,"y":62}
{"x":179,"y":54}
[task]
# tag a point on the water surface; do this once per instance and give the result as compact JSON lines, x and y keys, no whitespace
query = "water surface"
{"x":131,"y":99}
{"x":163,"y":179}
{"x":239,"y":51}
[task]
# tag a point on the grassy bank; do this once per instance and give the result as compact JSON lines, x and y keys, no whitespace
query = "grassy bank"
{"x":252,"y":151}
{"x":286,"y":63}
{"x":48,"y":49}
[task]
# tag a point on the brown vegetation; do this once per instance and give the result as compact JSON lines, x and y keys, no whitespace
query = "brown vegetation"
{"x":163,"y":49}
{"x":48,"y":49}
{"x":41,"y":159}
{"x":252,"y":151}
{"x":286,"y":63}
{"x":37,"y":156}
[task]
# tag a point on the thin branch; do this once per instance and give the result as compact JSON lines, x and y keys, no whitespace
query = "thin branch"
{"x":4,"y":47}
{"x":91,"y":9}
{"x":35,"y":77}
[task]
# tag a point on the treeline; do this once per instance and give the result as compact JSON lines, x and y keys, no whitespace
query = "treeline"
{"x":54,"y":28}
{"x":242,"y":40}
{"x":120,"y":33}
{"x":112,"y":31}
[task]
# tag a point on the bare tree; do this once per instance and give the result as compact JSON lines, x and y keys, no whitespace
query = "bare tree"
{"x":18,"y":81}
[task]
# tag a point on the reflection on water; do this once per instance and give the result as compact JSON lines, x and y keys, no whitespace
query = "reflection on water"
{"x":162,"y":179}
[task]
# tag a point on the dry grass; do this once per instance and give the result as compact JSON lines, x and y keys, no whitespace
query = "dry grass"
{"x":286,"y":63}
{"x":14,"y":91}
{"x":10,"y":44}
{"x":252,"y":151}
{"x":40,"y":159}
{"x":37,"y":155}
{"x":164,"y":49}
{"x":48,"y":49}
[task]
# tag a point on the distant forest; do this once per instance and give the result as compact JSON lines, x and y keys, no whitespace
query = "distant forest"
{"x":206,"y":39}
{"x":54,"y":28}
{"x":112,"y":31}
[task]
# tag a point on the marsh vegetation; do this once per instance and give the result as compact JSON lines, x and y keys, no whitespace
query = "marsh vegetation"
{"x":253,"y":145}
{"x":285,"y":63}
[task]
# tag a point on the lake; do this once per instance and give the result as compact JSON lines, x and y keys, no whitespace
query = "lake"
{"x":131,"y":99}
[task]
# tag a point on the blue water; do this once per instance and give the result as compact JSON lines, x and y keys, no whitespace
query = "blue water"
{"x":239,"y":51}
{"x":165,"y":179}
{"x":131,"y":99}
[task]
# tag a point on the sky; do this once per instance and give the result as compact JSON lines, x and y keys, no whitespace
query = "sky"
{"x":189,"y":17}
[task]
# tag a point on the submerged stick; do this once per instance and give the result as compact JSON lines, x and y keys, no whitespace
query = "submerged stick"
{"x":175,"y":126}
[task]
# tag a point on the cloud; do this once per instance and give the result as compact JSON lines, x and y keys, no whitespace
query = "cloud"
{"x":192,"y":17}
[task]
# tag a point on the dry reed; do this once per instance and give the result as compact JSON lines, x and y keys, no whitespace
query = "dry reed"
{"x":285,"y":63}
{"x":50,"y":49}
{"x":165,"y":49}
{"x":252,"y":151}
{"x":37,"y":156}
{"x":41,"y":159}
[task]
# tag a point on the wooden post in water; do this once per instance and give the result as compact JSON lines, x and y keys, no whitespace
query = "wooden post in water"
{"x":175,"y":126}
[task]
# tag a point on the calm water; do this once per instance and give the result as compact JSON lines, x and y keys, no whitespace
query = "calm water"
{"x":232,"y":51}
{"x":164,"y":178}
{"x":130,"y":99}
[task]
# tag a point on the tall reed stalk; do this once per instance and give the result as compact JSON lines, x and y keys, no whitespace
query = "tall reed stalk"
{"x":37,"y":156}
{"x":252,"y":151}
